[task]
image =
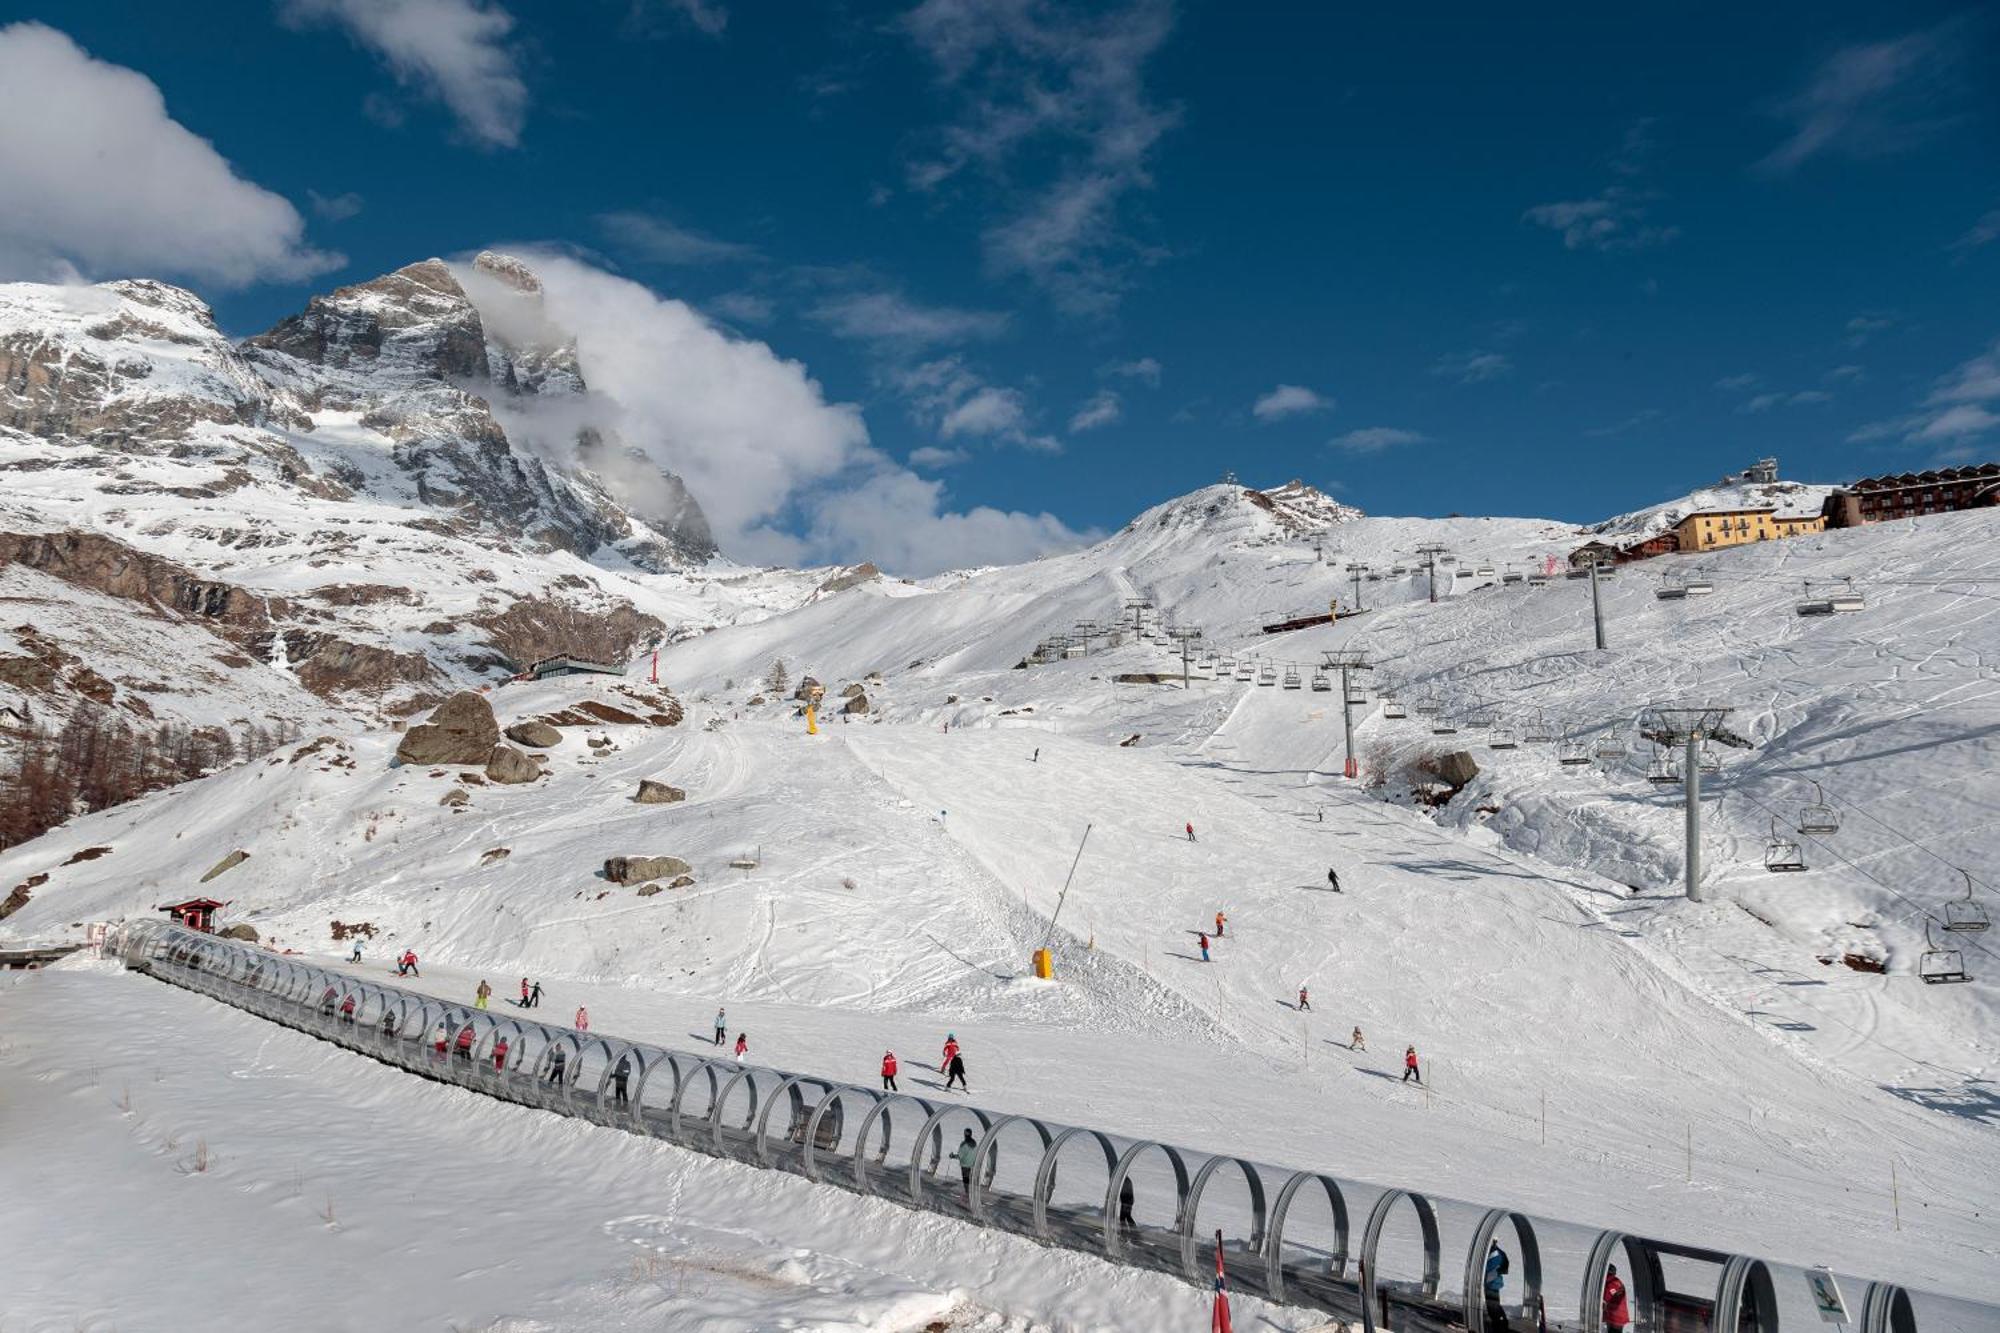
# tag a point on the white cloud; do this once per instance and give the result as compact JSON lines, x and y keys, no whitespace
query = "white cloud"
{"x":1374,"y":439}
{"x":1614,"y":219}
{"x":1100,"y":409}
{"x":337,"y":207}
{"x":1145,"y":369}
{"x":929,"y":455}
{"x":1955,"y":422}
{"x":744,"y":307}
{"x":946,"y":396}
{"x":1739,"y":383}
{"x":1622,"y":427}
{"x":1983,"y":232}
{"x":662,"y":242}
{"x":1844,"y":374}
{"x":99,"y":178}
{"x":1474,"y":367}
{"x":453,"y":51}
{"x":1974,"y":381}
{"x":986,"y":411}
{"x":707,"y":16}
{"x":898,"y":520}
{"x":1289,"y":400}
{"x":1870,"y":100}
{"x":1958,"y":407}
{"x":1057,"y":93}
{"x":896,"y":323}
{"x":1764,"y":402}
{"x":1863,"y":327}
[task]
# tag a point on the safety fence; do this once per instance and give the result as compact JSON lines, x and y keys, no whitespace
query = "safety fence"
{"x":1287,"y":1235}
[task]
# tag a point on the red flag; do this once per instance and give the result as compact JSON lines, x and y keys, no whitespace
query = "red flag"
{"x":1219,"y":1322}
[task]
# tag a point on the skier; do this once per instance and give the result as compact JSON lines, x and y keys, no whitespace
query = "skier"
{"x":619,"y":1077}
{"x":1333,"y":878}
{"x":582,"y":1019}
{"x":1190,"y":832}
{"x":1496,"y":1278}
{"x":465,"y":1042}
{"x":440,"y":1035}
{"x":950,"y":1050}
{"x":721,"y":1026}
{"x":1357,"y":1042}
{"x":389,"y":1026}
{"x":1125,"y":1197}
{"x":1305,"y":1001}
{"x":535,"y":996}
{"x":524,"y":992}
{"x":967,"y":1151}
{"x":888,"y":1071}
{"x":955,"y":1072}
{"x":1037,"y":756}
{"x":482,"y":995}
{"x":1617,"y":1314}
{"x":557,"y":1058}
{"x":347,"y":1010}
{"x":1221,"y":920}
{"x":1203,"y":938}
{"x":1410,"y":1070}
{"x":355,"y":957}
{"x":408,"y":966}
{"x":742,"y":1046}
{"x":500,"y":1055}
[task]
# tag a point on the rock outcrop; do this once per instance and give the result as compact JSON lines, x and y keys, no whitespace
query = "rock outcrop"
{"x":534,"y":735}
{"x":461,"y":730}
{"x":639,"y":869}
{"x":658,"y":793}
{"x":510,"y":766}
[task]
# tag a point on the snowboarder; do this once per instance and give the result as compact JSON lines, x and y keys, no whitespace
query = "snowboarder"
{"x":1203,"y":938}
{"x":524,"y":992}
{"x":621,"y":1075}
{"x":535,"y":996}
{"x":1333,"y":878}
{"x":1190,"y":832}
{"x":955,"y":1072}
{"x":1221,"y":920}
{"x":482,"y":995}
{"x":355,"y":956}
{"x":582,"y":1019}
{"x":950,"y":1050}
{"x":721,"y":1026}
{"x":1357,"y":1042}
{"x":1496,"y":1278}
{"x":888,"y":1071}
{"x":1617,"y":1314}
{"x":1125,"y":1198}
{"x":500,"y":1055}
{"x":967,"y":1152}
{"x":1410,"y":1070}
{"x":742,"y":1047}
{"x":1305,"y":1001}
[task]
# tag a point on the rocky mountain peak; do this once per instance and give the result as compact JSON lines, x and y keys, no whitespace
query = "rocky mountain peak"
{"x":509,"y":270}
{"x":414,"y":323}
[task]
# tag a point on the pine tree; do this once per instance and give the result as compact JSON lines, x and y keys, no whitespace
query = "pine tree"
{"x":778,"y":680}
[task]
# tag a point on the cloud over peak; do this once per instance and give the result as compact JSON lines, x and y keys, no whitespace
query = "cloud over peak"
{"x":1289,"y":400}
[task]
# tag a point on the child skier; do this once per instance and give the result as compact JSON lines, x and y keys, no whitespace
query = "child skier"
{"x":1305,"y":1003}
{"x":1203,"y":938}
{"x":950,"y":1051}
{"x":888,"y":1071}
{"x":1357,"y":1042}
{"x":721,"y":1026}
{"x":1410,"y":1070}
{"x":1221,"y":920}
{"x":582,"y":1019}
{"x":524,"y":992}
{"x":1190,"y":832}
{"x":535,"y":996}
{"x":742,"y":1047}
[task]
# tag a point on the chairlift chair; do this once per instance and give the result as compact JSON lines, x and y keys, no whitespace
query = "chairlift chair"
{"x":1538,"y":732}
{"x":1502,"y":738}
{"x":1810,"y":605}
{"x":1819,"y":817}
{"x":1572,"y":753}
{"x":1940,"y":966}
{"x":1671,"y":590}
{"x":1965,"y":916}
{"x":1444,"y":725}
{"x":1512,"y":576}
{"x":1267,"y":674}
{"x":1428,"y":706}
{"x":1848,"y":599}
{"x":1609,"y":746}
{"x":1291,"y":678}
{"x":1320,"y":683}
{"x":1663,"y":769}
{"x":1697,"y":587}
{"x":1782,"y":854}
{"x":1578,"y":572}
{"x":1706,"y":760}
{"x":1393,"y":709}
{"x":1244,"y":670}
{"x":1356,"y":695}
{"x":1484,"y":572}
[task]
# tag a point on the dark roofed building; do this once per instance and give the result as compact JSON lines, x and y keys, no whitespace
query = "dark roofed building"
{"x":1908,"y":494}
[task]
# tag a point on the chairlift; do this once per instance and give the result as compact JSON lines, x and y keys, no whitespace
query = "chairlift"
{"x":1291,"y":678}
{"x":1512,"y":576}
{"x":1848,"y":599}
{"x":1940,"y":966}
{"x":1609,"y":746}
{"x":1538,"y":732}
{"x":1484,"y":572}
{"x":1428,"y":706}
{"x":1502,"y":738}
{"x":1671,"y":589}
{"x":1697,"y":586}
{"x":1538,"y":580}
{"x":1819,"y":817}
{"x":1393,"y":709}
{"x":1267,"y":674}
{"x":1578,"y":571}
{"x":1572,"y":753}
{"x":1356,"y":695}
{"x":1964,"y":916}
{"x":1320,"y":683}
{"x":1811,"y":605}
{"x":1781,"y":854}
{"x":1481,"y":717}
{"x":1444,"y":725}
{"x":1706,"y":760}
{"x":1663,"y":769}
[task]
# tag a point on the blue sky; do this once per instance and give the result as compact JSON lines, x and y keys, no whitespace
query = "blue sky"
{"x":1077,"y":258}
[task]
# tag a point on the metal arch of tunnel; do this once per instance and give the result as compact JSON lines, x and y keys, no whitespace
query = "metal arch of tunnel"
{"x":934,"y":1129}
{"x":1886,"y":1309}
{"x":880,"y":1111}
{"x":1647,"y":1280}
{"x":1114,"y":1240}
{"x":809,"y":1159}
{"x":1045,"y":1174}
{"x":1190,"y":1265}
{"x":986,"y":1160}
{"x":1744,"y":1287}
{"x":673,"y":1066}
{"x":680,"y":1096}
{"x":1475,"y":1266}
{"x":787,"y":1094}
{"x":1371,"y":1243}
{"x":1275,"y":1262}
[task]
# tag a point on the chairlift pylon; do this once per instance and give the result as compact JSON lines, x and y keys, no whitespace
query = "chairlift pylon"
{"x":1782,"y":855}
{"x":1940,"y":966}
{"x":1964,"y":915}
{"x":1818,"y":816}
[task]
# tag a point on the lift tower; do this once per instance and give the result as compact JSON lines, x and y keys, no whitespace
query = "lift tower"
{"x":1688,"y":725}
{"x":1348,"y":661}
{"x":1430,"y":551}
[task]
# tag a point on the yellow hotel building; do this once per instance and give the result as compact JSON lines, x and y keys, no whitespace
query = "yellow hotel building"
{"x":1717,"y":528}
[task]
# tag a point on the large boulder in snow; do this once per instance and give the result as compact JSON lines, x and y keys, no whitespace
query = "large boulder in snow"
{"x":461,"y":731}
{"x":857,"y":703}
{"x":509,"y":765}
{"x":658,"y":793}
{"x":1457,"y":768}
{"x":240,"y":931}
{"x":534,"y":735}
{"x":639,"y":869}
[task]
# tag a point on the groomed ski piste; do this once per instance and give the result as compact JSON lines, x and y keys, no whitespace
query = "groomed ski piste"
{"x":1595,"y":1047}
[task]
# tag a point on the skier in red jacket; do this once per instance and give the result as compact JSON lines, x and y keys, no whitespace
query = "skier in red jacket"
{"x":888,"y":1071}
{"x":1410,"y":1070}
{"x":950,"y":1049}
{"x":500,"y":1055}
{"x":582,"y":1019}
{"x":1190,"y":831}
{"x":1617,"y":1314}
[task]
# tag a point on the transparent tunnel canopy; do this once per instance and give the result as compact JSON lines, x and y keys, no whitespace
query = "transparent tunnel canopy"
{"x":1372,"y":1257}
